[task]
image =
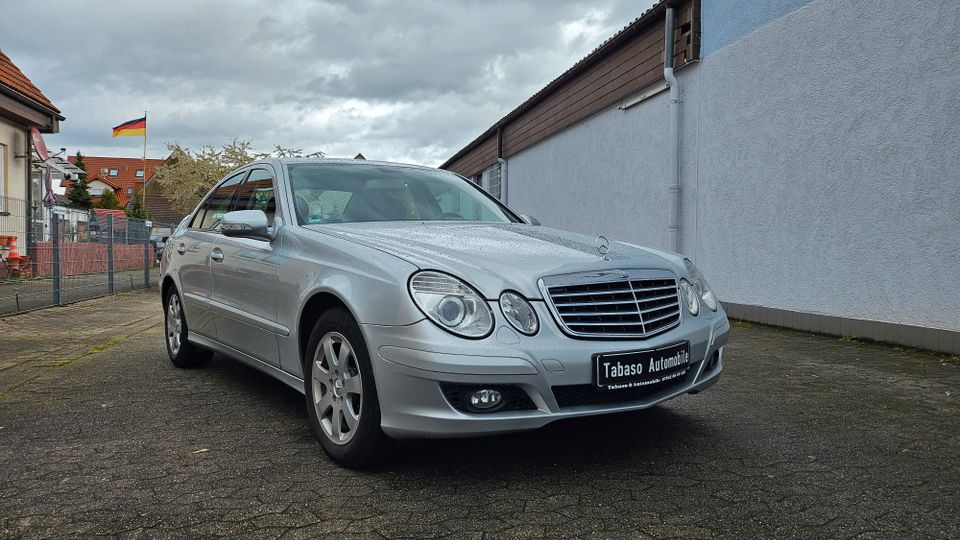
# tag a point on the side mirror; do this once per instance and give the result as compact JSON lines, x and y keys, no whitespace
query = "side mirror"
{"x":529,"y":220}
{"x":246,"y":224}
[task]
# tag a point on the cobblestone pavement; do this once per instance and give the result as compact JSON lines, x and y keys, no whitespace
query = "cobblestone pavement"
{"x":805,"y":436}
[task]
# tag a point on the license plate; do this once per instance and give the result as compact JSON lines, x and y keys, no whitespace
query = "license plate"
{"x":632,"y":369}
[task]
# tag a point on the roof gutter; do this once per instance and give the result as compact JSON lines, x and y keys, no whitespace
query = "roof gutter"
{"x":54,"y":116}
{"x":648,"y":18}
{"x":673,"y":153}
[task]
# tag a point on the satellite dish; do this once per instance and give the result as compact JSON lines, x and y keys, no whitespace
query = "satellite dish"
{"x":38,"y":144}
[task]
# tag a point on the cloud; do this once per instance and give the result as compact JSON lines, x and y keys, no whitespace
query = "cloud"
{"x":406,"y":81}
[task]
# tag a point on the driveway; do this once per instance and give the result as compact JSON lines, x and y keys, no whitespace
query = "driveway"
{"x":804,"y":436}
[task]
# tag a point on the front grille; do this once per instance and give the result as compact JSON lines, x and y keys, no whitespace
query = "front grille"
{"x":629,"y":303}
{"x":581,"y":395}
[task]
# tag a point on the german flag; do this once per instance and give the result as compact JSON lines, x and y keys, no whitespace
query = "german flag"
{"x":133,"y":128}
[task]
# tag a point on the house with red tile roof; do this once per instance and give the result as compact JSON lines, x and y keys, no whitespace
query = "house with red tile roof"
{"x":125,"y":176}
{"x":160,"y":209}
{"x":22,"y":107}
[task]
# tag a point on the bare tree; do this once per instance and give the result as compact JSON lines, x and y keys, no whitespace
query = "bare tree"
{"x":187,"y":176}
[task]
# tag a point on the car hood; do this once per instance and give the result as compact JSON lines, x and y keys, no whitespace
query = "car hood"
{"x":497,"y":256}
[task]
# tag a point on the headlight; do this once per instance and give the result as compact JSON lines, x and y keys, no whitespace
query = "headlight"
{"x":451,"y":304}
{"x":519,"y":313}
{"x":700,"y":284}
{"x":689,"y":296}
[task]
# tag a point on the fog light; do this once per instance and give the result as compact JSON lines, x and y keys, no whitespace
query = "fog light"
{"x":713,"y":360}
{"x":486,"y":399}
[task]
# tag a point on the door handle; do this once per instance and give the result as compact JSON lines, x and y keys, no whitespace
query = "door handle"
{"x":216,"y":255}
{"x":181,"y":249}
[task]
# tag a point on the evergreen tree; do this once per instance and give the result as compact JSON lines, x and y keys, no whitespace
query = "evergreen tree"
{"x":79,"y":193}
{"x":108,"y":200}
{"x":80,"y":164}
{"x":135,"y":209}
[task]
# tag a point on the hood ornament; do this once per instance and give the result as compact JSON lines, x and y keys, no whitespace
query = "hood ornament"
{"x":603,"y":246}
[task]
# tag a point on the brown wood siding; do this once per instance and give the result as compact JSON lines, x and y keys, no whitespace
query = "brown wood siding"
{"x":641,"y":63}
{"x":688,"y":14}
{"x":482,"y":156}
{"x":634,"y":64}
{"x":695,"y":9}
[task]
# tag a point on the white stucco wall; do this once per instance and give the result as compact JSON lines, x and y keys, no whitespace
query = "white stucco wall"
{"x":607,"y":175}
{"x":96,"y":187}
{"x":820,"y":165}
{"x":13,"y":137}
{"x":13,"y":191}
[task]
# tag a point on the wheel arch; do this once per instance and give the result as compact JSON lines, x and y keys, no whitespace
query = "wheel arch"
{"x":316,"y":305}
{"x":165,"y":287}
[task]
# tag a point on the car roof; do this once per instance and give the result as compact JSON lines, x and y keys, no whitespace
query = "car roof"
{"x":344,"y":161}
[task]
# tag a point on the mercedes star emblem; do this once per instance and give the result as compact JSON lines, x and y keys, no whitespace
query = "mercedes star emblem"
{"x":603,"y":245}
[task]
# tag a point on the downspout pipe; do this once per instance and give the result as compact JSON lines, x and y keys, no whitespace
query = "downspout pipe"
{"x":673,"y":188}
{"x":503,"y":180}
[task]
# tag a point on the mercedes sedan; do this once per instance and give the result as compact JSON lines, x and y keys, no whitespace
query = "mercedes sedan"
{"x":404,"y":301}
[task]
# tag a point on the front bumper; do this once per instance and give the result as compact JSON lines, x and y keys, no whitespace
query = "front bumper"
{"x":411,"y":363}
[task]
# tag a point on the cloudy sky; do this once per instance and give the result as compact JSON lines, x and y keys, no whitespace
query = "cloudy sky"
{"x":403,"y":81}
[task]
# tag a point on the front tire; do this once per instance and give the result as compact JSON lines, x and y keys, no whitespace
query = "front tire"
{"x":341,"y":394}
{"x":183,"y":354}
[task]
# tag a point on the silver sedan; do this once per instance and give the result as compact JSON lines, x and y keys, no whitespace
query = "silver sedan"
{"x":404,"y":301}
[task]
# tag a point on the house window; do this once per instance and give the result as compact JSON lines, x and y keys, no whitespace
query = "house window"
{"x":114,"y":172}
{"x":129,"y":191}
{"x":139,"y":173}
{"x":490,"y":181}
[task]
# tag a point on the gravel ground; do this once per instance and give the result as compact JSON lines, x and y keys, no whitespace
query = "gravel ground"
{"x":804,"y":436}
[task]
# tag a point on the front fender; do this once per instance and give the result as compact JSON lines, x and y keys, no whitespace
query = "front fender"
{"x":371,"y":283}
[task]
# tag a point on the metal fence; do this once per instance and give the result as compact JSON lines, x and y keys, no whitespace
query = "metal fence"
{"x":55,"y":255}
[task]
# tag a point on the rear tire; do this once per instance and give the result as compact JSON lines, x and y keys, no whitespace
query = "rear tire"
{"x":183,"y":354}
{"x":341,"y":394}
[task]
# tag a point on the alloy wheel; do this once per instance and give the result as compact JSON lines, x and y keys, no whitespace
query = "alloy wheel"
{"x":337,"y":390}
{"x":174,"y":324}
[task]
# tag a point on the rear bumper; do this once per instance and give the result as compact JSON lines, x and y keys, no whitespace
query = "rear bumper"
{"x":413,"y":363}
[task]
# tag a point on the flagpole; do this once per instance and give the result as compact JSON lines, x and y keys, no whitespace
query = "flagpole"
{"x":143,"y":192}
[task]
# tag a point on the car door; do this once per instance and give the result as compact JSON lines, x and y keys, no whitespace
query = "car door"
{"x":192,"y":251}
{"x":245,"y":276}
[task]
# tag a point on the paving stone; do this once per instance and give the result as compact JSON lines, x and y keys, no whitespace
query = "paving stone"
{"x":804,"y":436}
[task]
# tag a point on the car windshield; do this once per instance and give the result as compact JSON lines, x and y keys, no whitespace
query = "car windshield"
{"x":340,"y":193}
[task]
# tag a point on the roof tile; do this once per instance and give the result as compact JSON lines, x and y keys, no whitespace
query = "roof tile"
{"x":14,"y":79}
{"x":126,"y":173}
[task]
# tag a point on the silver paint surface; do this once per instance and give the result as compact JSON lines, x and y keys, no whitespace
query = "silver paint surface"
{"x":250,"y":306}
